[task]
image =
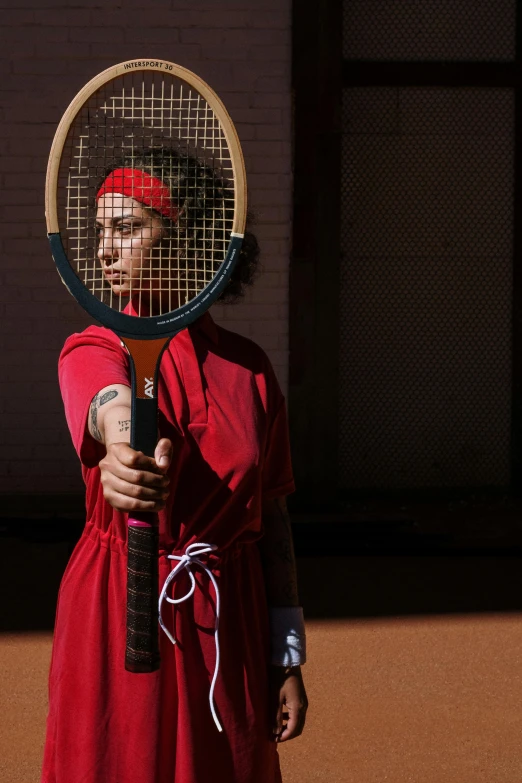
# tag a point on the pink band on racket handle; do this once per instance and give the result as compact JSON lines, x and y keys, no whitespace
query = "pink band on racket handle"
{"x":145,"y":519}
{"x":138,"y":523}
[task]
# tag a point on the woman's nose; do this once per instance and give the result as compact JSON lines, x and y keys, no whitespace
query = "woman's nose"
{"x":107,"y":251}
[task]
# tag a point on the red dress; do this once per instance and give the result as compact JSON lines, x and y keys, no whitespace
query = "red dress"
{"x":222,"y":407}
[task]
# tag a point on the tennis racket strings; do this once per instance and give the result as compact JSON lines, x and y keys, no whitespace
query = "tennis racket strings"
{"x":146,"y":193}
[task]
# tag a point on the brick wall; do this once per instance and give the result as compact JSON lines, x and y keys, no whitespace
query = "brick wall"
{"x":49,"y":49}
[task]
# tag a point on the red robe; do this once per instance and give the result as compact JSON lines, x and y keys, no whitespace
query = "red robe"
{"x":222,"y":407}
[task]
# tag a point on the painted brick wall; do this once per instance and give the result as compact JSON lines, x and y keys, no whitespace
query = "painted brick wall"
{"x":49,"y":49}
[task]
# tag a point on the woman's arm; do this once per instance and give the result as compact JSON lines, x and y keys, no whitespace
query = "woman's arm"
{"x":110,"y":413}
{"x":277,"y":554}
{"x":131,"y":480}
{"x":278,"y":560}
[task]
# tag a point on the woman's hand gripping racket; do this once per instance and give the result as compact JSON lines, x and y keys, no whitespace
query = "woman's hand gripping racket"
{"x":145,"y":206}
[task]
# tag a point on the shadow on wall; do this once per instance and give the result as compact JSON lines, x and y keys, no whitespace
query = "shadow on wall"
{"x":394,"y":585}
{"x":345,"y":583}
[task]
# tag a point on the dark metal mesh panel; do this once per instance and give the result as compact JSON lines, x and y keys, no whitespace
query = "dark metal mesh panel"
{"x":429,"y":29}
{"x":426,"y":288}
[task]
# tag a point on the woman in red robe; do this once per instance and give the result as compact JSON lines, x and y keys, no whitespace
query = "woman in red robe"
{"x":219,"y":476}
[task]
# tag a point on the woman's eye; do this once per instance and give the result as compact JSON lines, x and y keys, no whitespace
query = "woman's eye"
{"x":128,"y":228}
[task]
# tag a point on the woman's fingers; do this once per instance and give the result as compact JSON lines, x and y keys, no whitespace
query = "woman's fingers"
{"x":295,"y":724}
{"x":280,"y":716}
{"x":138,"y":476}
{"x":129,"y":504}
{"x":132,"y":481}
{"x":136,"y":460}
{"x":293,"y":696}
{"x":138,"y":491}
{"x":163,"y":453}
{"x":133,"y":466}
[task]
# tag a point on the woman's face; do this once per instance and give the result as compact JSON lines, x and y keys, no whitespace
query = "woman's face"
{"x":129,"y":244}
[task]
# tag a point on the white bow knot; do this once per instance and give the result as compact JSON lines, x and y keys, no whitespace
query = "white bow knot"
{"x":186,"y":562}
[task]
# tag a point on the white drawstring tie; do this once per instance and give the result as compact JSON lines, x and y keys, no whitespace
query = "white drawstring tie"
{"x":186,"y":561}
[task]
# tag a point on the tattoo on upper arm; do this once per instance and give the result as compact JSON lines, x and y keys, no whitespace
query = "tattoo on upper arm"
{"x":109,"y":395}
{"x":95,"y":404}
{"x":97,"y":401}
{"x":124,"y":425}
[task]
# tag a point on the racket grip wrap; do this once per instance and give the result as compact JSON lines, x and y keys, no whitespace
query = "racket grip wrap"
{"x":142,"y":648}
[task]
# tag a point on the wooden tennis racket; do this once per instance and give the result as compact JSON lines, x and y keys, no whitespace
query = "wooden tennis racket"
{"x":146,"y":161}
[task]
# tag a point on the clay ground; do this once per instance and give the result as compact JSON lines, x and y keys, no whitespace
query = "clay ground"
{"x":427,"y":697}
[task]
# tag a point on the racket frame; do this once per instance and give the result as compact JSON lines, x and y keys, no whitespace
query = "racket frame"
{"x":147,"y":327}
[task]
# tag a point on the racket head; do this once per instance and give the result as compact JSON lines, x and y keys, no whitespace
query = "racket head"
{"x":155,"y":119}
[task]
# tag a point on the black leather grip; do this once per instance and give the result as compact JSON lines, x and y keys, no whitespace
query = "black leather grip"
{"x":142,"y":649}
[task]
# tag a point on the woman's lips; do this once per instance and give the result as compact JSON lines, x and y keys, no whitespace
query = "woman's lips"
{"x":114,"y":277}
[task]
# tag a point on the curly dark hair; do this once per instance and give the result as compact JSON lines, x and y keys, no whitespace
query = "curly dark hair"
{"x":200,"y":195}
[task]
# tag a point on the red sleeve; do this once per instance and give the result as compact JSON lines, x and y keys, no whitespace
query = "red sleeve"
{"x":88,"y":362}
{"x":277,"y":477}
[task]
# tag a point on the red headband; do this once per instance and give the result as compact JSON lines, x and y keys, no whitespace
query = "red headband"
{"x":139,"y":185}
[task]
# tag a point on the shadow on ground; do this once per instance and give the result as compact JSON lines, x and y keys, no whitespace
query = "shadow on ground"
{"x":343,"y":572}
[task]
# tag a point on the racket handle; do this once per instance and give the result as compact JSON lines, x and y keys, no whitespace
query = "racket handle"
{"x":144,"y":425}
{"x":142,"y":648}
